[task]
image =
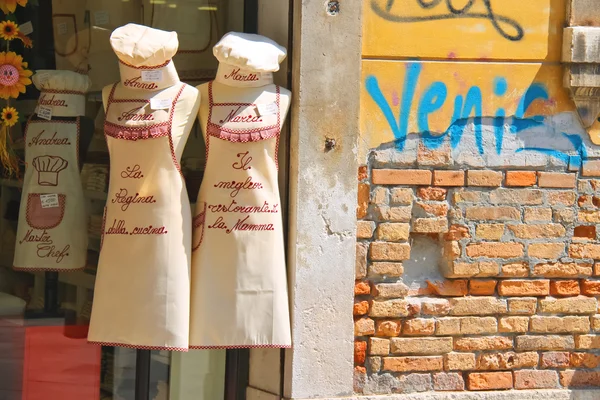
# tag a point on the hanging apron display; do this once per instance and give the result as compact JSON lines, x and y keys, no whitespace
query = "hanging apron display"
{"x":52,"y":229}
{"x":141,"y":297}
{"x":239,"y":286}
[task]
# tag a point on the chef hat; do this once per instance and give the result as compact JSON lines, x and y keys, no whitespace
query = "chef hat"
{"x":249,"y":51}
{"x":68,"y":81}
{"x":141,"y":46}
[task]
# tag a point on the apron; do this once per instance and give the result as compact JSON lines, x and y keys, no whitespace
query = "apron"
{"x":141,"y":297}
{"x":239,"y":286}
{"x":52,"y":228}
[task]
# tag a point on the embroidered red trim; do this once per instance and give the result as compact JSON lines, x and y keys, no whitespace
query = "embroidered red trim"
{"x":244,"y":346}
{"x":56,"y":219}
{"x":136,"y":346}
{"x":198,"y":222}
{"x":56,"y":91}
{"x":38,"y":269}
{"x":135,"y":133}
{"x":103,"y":227}
{"x":146,"y":66}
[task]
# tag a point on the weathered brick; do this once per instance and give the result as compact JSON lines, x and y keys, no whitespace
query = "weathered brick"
{"x":591,"y":168}
{"x":432,"y":193}
{"x":564,"y":288}
{"x":584,"y":360}
{"x":459,"y":361}
{"x":438,"y":157}
{"x":451,"y":250}
{"x":402,"y":196}
{"x":483,"y":343}
{"x":578,"y":378}
{"x":489,"y":231}
{"x":595,"y":321}
{"x":477,"y":269}
{"x":418,"y":327}
{"x":360,"y":352}
{"x":448,"y":288}
{"x":435,"y":307}
{"x":421,"y":345}
{"x":413,"y":382}
{"x":507,"y":360}
{"x":477,"y":306}
{"x":401,"y":177}
{"x":534,"y":379}
{"x":361,"y":287}
{"x":562,"y":270}
{"x":521,"y":178}
{"x":528,"y":197}
{"x":468,"y":196}
{"x":363,"y":172}
{"x":448,"y":382}
{"x":513,"y":324}
{"x":570,"y":324}
{"x":393,"y":232}
{"x":413,"y":364}
{"x":515,"y":270}
{"x":374,"y":364}
{"x":482,"y":287}
{"x":385,"y":269}
{"x":521,"y":287}
{"x":448,"y":178}
{"x":544,"y":342}
{"x":394,"y":214}
{"x":587,"y":341}
{"x":490,"y":381}
{"x":537,"y":214}
{"x":537,"y":231}
{"x":364,"y":327}
{"x":556,"y":180}
{"x":457,"y":232}
{"x":585,"y":232}
{"x":493,"y":213}
{"x":389,"y":308}
{"x":360,"y":269}
{"x":546,"y":250}
{"x":430,"y":225}
{"x":564,"y":216}
{"x":379,"y":196}
{"x":589,"y":216}
{"x":555,"y":359}
{"x":361,"y":308}
{"x":379,"y":346}
{"x":423,"y":209}
{"x":484,"y":178}
{"x":383,"y":251}
{"x":466,"y":325}
{"x":388,"y":328}
{"x":590,"y":287}
{"x":495,"y":250}
{"x":390,"y":290}
{"x":364,"y":192}
{"x":596,"y":269}
{"x":562,"y":198}
{"x":364,"y":229}
{"x":522,"y":306}
{"x":569,"y":305}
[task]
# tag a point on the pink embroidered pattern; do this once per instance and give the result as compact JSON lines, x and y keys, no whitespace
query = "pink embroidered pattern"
{"x":198,"y":224}
{"x":44,"y":218}
{"x":146,"y":66}
{"x":135,"y":346}
{"x":244,"y":346}
{"x":55,"y":91}
{"x":37,"y":269}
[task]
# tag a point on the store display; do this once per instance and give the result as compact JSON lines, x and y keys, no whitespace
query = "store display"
{"x":239,"y":285}
{"x":52,"y":230}
{"x":141,"y":297}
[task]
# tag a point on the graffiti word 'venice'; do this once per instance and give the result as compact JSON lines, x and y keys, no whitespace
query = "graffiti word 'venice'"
{"x":500,"y":23}
{"x":435,"y":96}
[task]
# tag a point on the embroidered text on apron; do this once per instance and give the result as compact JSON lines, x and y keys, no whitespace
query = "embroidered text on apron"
{"x":239,"y":286}
{"x":52,"y":230}
{"x":141,"y":297}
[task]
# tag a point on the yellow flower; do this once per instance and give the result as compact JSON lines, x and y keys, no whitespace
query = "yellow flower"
{"x":10,"y":116}
{"x":9,"y":6}
{"x":13,"y":75}
{"x":8,"y":30}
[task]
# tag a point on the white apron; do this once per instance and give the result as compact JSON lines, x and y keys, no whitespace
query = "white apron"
{"x":141,"y":297}
{"x":239,"y":287}
{"x":52,"y":228}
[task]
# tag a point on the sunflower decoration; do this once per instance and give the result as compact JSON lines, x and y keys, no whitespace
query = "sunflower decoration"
{"x":8,"y":158}
{"x":13,"y":75}
{"x":9,"y":30}
{"x":10,"y":116}
{"x":9,"y":6}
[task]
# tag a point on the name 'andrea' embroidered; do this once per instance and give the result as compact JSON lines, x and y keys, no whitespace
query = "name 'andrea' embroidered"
{"x":133,"y":115}
{"x":123,"y":197}
{"x":137,"y":84}
{"x":39,"y":140}
{"x":233,"y":117}
{"x":236,"y":186}
{"x":236,"y":76}
{"x":45,"y":100}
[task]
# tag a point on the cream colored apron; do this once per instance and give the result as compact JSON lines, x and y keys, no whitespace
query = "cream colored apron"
{"x":239,"y":287}
{"x":141,"y":297}
{"x":52,"y":228}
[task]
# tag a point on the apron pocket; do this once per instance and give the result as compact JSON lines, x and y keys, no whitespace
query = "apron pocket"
{"x":47,"y":217}
{"x":198,"y":226}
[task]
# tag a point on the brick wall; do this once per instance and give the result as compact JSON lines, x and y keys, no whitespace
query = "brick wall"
{"x":514,"y":302}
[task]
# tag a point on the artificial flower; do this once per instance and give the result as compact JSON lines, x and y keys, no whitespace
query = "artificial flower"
{"x":9,"y":6}
{"x":27,"y":42}
{"x":8,"y":30}
{"x":13,"y":75}
{"x":10,"y":116}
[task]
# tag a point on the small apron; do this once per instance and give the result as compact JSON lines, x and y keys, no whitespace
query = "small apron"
{"x":239,"y":286}
{"x":52,"y":228}
{"x":141,"y":297}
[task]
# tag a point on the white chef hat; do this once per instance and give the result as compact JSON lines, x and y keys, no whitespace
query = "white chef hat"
{"x":249,"y":51}
{"x":67,"y":81}
{"x":141,"y":46}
